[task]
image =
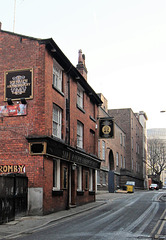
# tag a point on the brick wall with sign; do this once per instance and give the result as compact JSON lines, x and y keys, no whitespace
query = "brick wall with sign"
{"x":28,"y":62}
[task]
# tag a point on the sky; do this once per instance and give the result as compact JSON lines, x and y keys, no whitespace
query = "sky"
{"x":124,"y":42}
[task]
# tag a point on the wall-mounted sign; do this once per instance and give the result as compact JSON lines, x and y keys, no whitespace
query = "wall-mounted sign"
{"x":13,"y":110}
{"x":19,"y":84}
{"x":106,"y":128}
{"x":12,"y":168}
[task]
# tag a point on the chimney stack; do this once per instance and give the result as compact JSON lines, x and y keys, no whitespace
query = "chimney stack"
{"x":81,"y":67}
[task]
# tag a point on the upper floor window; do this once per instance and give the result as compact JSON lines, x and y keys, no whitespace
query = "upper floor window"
{"x":121,"y":139}
{"x":121,"y":161}
{"x":80,"y":131}
{"x":124,"y":162}
{"x":57,"y":122}
{"x":99,"y":149}
{"x":117,"y":159}
{"x":57,"y":76}
{"x":103,"y":150}
{"x":124,"y":143}
{"x":80,"y":96}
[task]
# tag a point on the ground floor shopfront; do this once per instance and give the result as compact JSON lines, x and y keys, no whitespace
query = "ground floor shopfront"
{"x":67,"y":176}
{"x":58,"y":176}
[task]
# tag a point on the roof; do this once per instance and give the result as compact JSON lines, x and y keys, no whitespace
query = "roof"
{"x":68,"y":67}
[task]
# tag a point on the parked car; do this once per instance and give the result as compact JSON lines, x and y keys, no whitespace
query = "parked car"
{"x":164,"y":187}
{"x":154,"y":186}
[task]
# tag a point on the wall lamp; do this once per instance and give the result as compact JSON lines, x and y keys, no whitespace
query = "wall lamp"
{"x":9,"y":101}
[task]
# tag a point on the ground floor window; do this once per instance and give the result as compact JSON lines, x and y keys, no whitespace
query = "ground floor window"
{"x":98,"y":177}
{"x":79,"y":178}
{"x":56,"y":174}
{"x":104,"y":178}
{"x":90,"y":180}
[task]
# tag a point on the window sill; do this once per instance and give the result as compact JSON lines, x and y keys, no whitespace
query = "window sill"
{"x":91,"y":192}
{"x":94,"y":120}
{"x":57,"y":192}
{"x":81,"y":109}
{"x":56,"y":89}
{"x":80,"y":193}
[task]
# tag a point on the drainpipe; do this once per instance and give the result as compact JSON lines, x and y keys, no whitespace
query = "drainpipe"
{"x":68,"y":140}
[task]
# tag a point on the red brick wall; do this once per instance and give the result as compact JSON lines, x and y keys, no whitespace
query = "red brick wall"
{"x":83,"y":117}
{"x":21,"y":53}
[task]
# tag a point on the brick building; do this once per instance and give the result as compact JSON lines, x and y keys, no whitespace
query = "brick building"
{"x":134,"y":145}
{"x":48,"y":115}
{"x":112,"y":152}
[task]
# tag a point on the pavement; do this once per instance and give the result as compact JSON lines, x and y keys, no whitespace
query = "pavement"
{"x":29,"y":224}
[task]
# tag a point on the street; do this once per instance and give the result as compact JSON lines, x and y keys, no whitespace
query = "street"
{"x":141,"y":215}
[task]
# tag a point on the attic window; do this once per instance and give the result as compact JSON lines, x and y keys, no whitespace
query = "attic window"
{"x":57,"y":76}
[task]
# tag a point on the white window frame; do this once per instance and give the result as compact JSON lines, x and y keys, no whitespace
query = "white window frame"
{"x":117,"y":159}
{"x":121,"y":139}
{"x":121,"y":161}
{"x":57,"y":122}
{"x":80,"y":96}
{"x":57,"y":75}
{"x":124,"y":162}
{"x":56,"y":173}
{"x":98,"y":177}
{"x":103,"y":150}
{"x":80,"y":134}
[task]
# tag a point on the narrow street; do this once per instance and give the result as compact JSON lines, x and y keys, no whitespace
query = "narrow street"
{"x":141,"y":215}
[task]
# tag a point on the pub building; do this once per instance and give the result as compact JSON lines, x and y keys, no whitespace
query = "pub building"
{"x":48,"y":123}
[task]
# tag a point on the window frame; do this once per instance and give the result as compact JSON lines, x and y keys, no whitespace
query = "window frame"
{"x":103,"y":150}
{"x":57,"y":79}
{"x":79,"y":178}
{"x":80,"y":96}
{"x":57,"y":113}
{"x":90,"y":179}
{"x":117,"y":159}
{"x":56,"y":174}
{"x":80,"y":134}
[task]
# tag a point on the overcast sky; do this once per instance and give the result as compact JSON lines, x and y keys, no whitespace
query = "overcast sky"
{"x":124,"y":42}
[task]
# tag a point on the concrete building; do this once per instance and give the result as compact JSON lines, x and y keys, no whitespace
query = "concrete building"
{"x":48,"y":123}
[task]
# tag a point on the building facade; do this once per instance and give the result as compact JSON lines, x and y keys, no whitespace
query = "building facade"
{"x":129,"y":122}
{"x":48,"y":117}
{"x":112,"y":152}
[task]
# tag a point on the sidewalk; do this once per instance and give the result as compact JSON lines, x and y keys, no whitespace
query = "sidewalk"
{"x":29,"y":224}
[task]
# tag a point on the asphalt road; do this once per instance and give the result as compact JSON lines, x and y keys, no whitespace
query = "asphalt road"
{"x":141,"y":215}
